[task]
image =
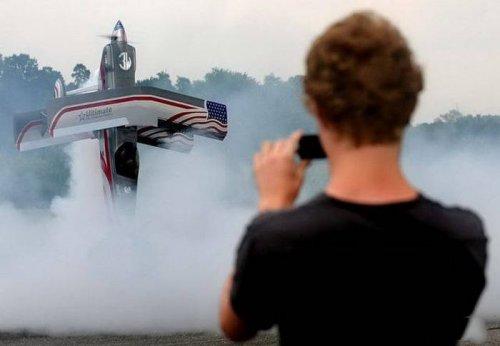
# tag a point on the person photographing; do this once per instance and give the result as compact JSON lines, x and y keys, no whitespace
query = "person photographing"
{"x":371,"y":258}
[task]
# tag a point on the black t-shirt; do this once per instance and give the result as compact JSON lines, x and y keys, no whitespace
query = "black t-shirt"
{"x":337,"y":272}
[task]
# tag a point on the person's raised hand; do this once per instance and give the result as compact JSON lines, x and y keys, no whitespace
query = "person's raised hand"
{"x":278,"y":175}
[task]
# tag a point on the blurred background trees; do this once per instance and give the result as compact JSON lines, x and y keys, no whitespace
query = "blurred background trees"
{"x":80,"y":75}
{"x":257,"y":110}
{"x":28,"y":179}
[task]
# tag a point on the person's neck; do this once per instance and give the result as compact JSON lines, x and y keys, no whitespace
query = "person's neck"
{"x":369,"y":174}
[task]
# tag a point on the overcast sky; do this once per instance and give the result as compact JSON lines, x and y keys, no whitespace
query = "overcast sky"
{"x":456,"y":41}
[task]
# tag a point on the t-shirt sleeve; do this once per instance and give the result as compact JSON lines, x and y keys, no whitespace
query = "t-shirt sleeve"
{"x":252,"y":293}
{"x":478,"y":244}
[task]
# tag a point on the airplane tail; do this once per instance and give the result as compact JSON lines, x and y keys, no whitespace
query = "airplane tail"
{"x":59,"y":89}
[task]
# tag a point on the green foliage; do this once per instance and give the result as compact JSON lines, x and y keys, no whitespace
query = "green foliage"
{"x":450,"y":116}
{"x":29,"y":179}
{"x":161,"y":80}
{"x":183,"y":85}
{"x":457,"y":132}
{"x":33,"y":178}
{"x":23,"y":85}
{"x":80,"y":75}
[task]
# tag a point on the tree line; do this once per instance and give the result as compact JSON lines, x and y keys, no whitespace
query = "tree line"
{"x":258,"y":110}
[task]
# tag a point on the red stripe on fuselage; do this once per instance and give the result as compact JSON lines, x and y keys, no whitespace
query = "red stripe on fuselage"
{"x":105,"y":160}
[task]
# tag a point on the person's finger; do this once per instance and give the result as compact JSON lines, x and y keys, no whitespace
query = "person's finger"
{"x":292,"y":142}
{"x":266,"y":147}
{"x":279,"y":146}
{"x":295,"y":136}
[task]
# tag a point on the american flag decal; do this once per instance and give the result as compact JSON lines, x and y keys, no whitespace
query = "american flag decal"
{"x":209,"y":121}
{"x":217,"y":111}
{"x":217,"y":119}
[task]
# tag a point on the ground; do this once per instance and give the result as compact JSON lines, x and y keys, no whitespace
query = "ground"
{"x":23,"y":338}
{"x":19,"y":339}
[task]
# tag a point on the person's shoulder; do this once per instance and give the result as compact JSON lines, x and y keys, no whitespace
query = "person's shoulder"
{"x":459,"y":222}
{"x":296,"y":216}
{"x":295,"y":224}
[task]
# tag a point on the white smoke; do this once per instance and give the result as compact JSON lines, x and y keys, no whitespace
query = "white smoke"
{"x":71,"y":270}
{"x":467,"y":178}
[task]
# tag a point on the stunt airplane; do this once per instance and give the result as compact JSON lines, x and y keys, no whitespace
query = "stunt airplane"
{"x":120,"y":114}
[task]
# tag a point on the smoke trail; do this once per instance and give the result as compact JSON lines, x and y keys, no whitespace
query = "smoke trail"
{"x":72,"y":271}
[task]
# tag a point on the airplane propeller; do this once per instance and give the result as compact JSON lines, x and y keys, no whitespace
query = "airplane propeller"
{"x":113,"y":37}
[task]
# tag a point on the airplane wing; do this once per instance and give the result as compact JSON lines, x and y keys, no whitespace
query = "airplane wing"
{"x":167,"y":136}
{"x":30,"y":132}
{"x":163,"y":118}
{"x":135,"y":106}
